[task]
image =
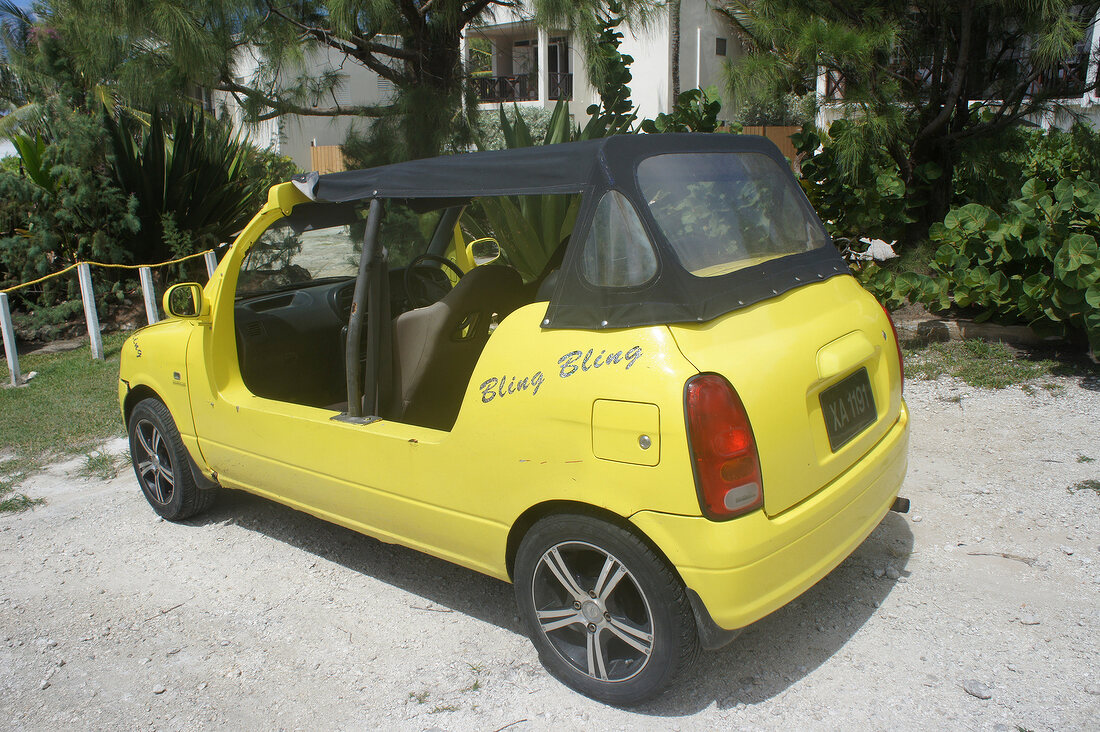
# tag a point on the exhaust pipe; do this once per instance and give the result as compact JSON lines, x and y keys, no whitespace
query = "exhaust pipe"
{"x":901,"y":505}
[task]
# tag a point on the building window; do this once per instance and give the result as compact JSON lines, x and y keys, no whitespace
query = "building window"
{"x":720,"y":46}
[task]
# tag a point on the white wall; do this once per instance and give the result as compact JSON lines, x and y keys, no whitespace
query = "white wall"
{"x":292,"y":135}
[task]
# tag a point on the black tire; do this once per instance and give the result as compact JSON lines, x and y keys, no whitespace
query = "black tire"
{"x":623,"y":644}
{"x":162,"y":465}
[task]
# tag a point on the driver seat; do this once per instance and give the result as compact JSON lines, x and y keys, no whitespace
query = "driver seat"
{"x":435,"y":348}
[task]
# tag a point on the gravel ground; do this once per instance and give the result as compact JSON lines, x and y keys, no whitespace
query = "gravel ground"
{"x":255,"y":616}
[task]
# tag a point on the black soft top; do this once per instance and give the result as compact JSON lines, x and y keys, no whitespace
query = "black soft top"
{"x":591,"y":168}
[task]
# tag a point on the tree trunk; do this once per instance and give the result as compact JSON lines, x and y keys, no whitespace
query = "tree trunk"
{"x":430,"y":105}
{"x":935,"y":194}
{"x":674,"y":47}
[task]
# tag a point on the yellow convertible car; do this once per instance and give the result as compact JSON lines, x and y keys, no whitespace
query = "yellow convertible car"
{"x":631,"y":376}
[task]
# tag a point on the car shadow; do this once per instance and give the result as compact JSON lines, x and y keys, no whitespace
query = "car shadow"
{"x":437,"y":581}
{"x":781,"y":649}
{"x":766,"y":659}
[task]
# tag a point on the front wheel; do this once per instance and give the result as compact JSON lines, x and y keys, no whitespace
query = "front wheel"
{"x":608,"y":616}
{"x":161,"y":463}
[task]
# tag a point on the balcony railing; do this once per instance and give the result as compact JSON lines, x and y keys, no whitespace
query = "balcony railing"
{"x":521,"y":87}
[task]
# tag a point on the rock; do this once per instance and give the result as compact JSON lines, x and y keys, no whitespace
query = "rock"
{"x":977,"y":689}
{"x":1093,"y":689}
{"x":1029,"y":620}
{"x":159,"y":689}
{"x":892,"y":572}
{"x":918,"y":518}
{"x":1067,"y":550}
{"x":879,"y":572}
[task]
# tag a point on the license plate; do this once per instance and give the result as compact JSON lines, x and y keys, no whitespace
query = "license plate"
{"x":848,"y":408}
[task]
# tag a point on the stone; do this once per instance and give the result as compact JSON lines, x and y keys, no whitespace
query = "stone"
{"x":159,"y":689}
{"x":1093,"y":689}
{"x":977,"y":689}
{"x":1029,"y":620}
{"x":918,"y":518}
{"x":1067,"y":550}
{"x":892,"y":572}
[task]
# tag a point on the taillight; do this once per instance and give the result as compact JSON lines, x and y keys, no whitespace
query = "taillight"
{"x":897,"y":342}
{"x":723,"y":449}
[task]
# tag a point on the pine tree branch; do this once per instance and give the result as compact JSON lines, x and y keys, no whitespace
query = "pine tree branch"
{"x":349,"y":46}
{"x":477,"y":8}
{"x":280,"y":107}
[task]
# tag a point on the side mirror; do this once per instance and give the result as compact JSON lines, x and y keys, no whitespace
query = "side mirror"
{"x":483,"y":251}
{"x":183,"y":300}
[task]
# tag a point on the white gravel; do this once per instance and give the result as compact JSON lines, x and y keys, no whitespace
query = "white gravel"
{"x":255,"y":616}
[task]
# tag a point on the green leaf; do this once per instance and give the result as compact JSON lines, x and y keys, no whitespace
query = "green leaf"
{"x":1033,"y":187}
{"x":1092,"y":296}
{"x":971,"y":218}
{"x":1079,"y":250}
{"x":1035,"y":286}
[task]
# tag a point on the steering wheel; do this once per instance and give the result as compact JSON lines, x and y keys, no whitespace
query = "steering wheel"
{"x":428,"y":289}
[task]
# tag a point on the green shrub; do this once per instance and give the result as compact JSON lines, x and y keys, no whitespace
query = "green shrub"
{"x":867,"y":200}
{"x":1038,"y":263}
{"x":991,"y":170}
{"x":187,"y":176}
{"x":696,"y":110}
{"x":76,"y":212}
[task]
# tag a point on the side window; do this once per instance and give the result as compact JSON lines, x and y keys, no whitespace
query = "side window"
{"x":617,"y":252}
{"x":305,"y":247}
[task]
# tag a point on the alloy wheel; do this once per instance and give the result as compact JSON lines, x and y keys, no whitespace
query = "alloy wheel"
{"x":154,"y":465}
{"x":592,"y":611}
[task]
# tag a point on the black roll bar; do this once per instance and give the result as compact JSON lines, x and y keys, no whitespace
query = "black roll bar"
{"x":371,"y":263}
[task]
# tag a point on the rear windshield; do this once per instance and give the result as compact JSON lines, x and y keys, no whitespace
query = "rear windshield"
{"x":726,"y":211}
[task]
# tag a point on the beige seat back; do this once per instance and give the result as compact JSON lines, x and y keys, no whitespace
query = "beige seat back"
{"x":435,"y":348}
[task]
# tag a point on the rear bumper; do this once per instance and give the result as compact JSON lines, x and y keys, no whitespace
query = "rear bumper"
{"x":749,"y":567}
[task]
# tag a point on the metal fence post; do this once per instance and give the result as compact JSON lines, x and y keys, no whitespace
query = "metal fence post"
{"x":9,"y":340}
{"x":149,"y":293}
{"x":211,"y":263}
{"x":87,"y":295}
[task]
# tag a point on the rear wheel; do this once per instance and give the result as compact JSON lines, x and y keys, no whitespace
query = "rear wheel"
{"x":161,"y":463}
{"x":607,"y":616}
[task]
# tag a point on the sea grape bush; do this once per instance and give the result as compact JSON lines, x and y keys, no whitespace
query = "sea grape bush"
{"x":1038,"y":263}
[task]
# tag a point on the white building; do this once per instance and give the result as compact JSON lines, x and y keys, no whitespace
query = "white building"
{"x":533,"y":66}
{"x":529,"y":66}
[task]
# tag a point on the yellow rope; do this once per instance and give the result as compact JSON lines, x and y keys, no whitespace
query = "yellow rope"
{"x":101,"y":264}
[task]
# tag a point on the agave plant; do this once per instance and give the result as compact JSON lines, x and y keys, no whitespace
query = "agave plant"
{"x":528,"y":228}
{"x":188,"y":180}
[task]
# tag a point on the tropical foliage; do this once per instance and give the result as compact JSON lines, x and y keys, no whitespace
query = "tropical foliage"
{"x":696,"y":110}
{"x":189,"y":181}
{"x":918,"y":81}
{"x":1038,"y":262}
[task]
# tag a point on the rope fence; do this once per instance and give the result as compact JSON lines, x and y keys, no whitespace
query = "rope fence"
{"x":87,"y":296}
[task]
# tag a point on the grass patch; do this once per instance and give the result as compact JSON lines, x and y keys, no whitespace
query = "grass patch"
{"x":101,"y":465}
{"x":68,"y":408}
{"x":979,"y":363}
{"x":1086,"y":485}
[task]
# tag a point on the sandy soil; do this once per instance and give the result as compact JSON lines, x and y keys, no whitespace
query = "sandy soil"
{"x":255,"y":616}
